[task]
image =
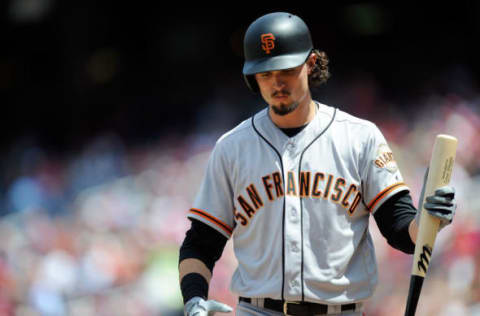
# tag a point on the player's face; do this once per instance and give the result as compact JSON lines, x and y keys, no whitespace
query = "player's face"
{"x":284,"y":90}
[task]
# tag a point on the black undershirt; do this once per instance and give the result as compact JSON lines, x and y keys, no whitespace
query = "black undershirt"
{"x":292,"y":131}
{"x":393,"y":219}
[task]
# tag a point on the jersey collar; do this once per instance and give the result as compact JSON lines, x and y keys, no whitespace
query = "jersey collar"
{"x":264,"y":125}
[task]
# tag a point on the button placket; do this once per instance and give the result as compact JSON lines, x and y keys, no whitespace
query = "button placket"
{"x":291,"y":148}
{"x":293,"y":233}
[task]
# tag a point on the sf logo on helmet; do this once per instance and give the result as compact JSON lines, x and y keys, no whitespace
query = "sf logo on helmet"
{"x":268,"y":42}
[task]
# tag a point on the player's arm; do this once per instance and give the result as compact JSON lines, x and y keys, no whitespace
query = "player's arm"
{"x":201,"y":248}
{"x":413,"y":230}
{"x":393,"y":219}
{"x":398,"y":219}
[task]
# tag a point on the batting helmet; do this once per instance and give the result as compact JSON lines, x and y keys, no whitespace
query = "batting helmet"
{"x":275,"y":41}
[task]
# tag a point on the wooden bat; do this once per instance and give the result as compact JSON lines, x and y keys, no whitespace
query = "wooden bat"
{"x":439,"y":174}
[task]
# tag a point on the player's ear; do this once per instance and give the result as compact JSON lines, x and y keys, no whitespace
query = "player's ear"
{"x":311,"y":60}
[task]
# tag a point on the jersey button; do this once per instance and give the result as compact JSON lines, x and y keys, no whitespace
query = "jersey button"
{"x":293,"y":212}
{"x":291,"y":146}
{"x":293,"y":215}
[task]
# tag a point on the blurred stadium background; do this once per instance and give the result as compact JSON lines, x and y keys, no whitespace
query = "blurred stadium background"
{"x":110,"y":110}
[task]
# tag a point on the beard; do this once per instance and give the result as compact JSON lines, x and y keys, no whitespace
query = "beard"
{"x":284,"y":109}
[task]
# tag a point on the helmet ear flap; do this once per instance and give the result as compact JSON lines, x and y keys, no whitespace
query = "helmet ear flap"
{"x":251,"y":83}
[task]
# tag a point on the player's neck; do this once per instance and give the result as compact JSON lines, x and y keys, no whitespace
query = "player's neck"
{"x":302,"y":115}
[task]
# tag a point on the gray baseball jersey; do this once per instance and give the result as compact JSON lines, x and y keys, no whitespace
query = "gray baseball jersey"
{"x":298,"y":207}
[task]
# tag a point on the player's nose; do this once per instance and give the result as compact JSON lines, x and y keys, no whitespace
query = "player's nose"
{"x":278,"y":81}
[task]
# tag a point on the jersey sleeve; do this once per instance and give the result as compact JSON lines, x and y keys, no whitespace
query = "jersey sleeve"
{"x":381,"y":177}
{"x":213,"y":204}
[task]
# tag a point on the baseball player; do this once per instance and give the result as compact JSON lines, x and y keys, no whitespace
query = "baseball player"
{"x":294,"y":187}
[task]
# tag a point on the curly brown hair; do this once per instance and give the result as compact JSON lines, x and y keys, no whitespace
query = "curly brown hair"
{"x":320,"y":73}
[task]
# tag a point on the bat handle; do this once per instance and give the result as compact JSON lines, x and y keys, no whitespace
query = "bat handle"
{"x":416,"y":283}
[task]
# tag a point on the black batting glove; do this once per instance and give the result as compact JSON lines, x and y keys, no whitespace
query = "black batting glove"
{"x":442,"y":205}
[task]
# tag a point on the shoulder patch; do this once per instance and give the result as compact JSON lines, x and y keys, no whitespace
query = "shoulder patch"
{"x":384,"y":159}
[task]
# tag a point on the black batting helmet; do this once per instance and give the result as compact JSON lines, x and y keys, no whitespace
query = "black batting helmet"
{"x":275,"y":41}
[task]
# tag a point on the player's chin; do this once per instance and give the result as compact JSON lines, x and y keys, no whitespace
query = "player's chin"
{"x":281,"y":102}
{"x":283,"y":109}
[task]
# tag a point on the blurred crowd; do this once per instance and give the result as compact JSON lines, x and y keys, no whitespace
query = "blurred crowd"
{"x":97,"y":232}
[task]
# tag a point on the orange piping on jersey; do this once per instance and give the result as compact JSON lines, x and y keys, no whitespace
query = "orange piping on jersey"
{"x":213,"y":220}
{"x":382,"y":194}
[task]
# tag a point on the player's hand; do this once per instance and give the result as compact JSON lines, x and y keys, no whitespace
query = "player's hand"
{"x":441,"y":204}
{"x":197,"y":306}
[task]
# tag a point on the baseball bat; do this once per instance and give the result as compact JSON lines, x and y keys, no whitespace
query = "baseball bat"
{"x":439,"y":174}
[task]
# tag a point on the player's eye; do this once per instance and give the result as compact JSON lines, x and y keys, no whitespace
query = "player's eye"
{"x":265,"y":74}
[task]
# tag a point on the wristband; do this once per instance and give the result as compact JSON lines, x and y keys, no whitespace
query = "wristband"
{"x":193,"y":284}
